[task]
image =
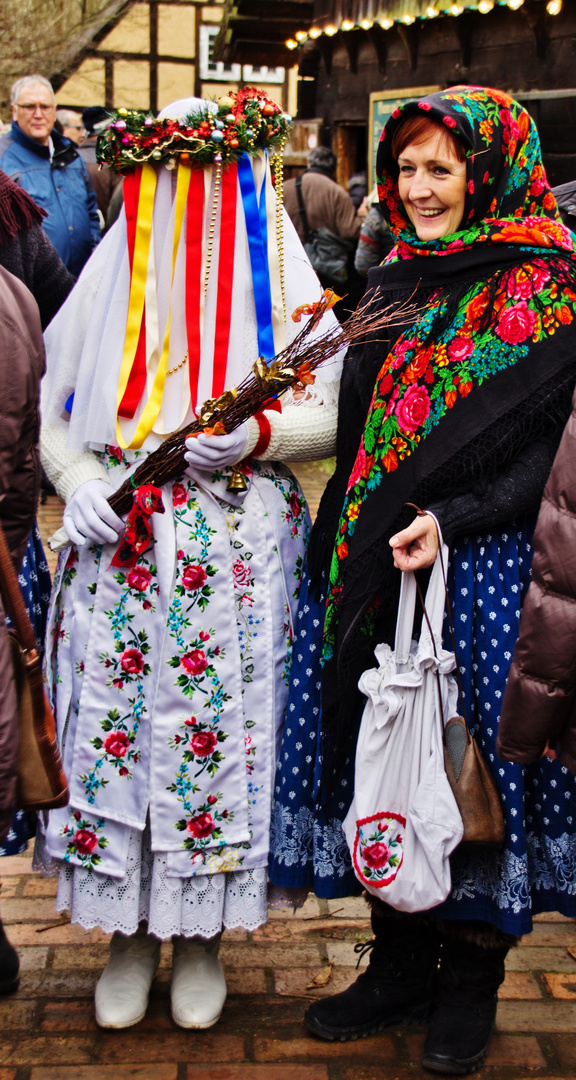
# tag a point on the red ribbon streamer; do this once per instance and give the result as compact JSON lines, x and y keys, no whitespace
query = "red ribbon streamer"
{"x":225,"y":275}
{"x":194,"y":223}
{"x":137,"y":534}
{"x":137,"y":379}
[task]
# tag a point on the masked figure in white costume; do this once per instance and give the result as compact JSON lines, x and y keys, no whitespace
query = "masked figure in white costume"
{"x":168,"y":670}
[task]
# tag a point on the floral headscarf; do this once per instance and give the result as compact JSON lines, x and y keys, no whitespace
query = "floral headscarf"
{"x":508,"y":198}
{"x":497,"y":325}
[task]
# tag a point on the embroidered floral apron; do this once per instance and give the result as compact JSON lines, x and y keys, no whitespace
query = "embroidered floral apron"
{"x":169,"y":680}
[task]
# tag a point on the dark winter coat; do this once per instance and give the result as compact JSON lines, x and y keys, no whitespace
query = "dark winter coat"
{"x":61,"y":186}
{"x":540,"y":700}
{"x":21,"y":368}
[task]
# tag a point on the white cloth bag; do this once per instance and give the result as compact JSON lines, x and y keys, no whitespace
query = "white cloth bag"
{"x":404,"y":822}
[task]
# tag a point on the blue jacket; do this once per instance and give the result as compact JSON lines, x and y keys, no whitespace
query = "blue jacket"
{"x":61,"y":186}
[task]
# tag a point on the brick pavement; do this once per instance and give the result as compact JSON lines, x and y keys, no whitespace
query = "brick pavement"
{"x":49,"y":1033}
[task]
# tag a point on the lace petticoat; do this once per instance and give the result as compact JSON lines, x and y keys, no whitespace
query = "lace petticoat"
{"x":193,"y":907}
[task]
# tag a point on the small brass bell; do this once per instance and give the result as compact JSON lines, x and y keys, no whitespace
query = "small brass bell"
{"x":237,"y":481}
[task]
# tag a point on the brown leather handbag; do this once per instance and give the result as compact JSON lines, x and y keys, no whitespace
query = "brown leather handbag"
{"x":41,"y":782}
{"x":468,"y":774}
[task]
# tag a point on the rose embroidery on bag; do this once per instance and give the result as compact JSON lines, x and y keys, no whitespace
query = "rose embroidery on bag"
{"x":379,"y":848}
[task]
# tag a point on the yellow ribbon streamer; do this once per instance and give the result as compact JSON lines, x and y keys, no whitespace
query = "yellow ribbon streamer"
{"x":144,"y":224}
{"x":138,"y":280}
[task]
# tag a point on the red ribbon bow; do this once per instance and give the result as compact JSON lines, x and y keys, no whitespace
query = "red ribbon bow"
{"x":137,"y":533}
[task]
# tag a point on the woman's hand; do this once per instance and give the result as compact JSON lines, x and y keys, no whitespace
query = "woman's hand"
{"x":417,"y":546}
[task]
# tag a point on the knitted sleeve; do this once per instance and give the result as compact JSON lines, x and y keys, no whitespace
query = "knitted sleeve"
{"x":51,"y":281}
{"x":66,"y":469}
{"x":516,"y":491}
{"x":305,"y":432}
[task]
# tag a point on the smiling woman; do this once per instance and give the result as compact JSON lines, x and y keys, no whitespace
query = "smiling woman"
{"x":460,"y":413}
{"x":431,"y":179}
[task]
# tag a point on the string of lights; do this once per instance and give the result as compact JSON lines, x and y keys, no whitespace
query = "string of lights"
{"x":406,"y":12}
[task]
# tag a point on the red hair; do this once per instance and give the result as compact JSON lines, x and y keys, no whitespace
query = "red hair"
{"x":416,"y":129}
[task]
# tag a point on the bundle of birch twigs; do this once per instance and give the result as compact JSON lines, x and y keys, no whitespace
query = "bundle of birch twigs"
{"x":294,"y":365}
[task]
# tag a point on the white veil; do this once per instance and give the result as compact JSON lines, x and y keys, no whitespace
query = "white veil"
{"x":85,"y":341}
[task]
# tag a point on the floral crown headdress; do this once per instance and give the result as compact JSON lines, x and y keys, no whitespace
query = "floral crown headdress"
{"x":244,"y":122}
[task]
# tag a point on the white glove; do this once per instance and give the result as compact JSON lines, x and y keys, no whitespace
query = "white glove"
{"x":214,"y":451}
{"x":89,"y":516}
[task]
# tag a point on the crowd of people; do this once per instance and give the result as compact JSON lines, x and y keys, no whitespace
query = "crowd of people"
{"x":205,"y":679}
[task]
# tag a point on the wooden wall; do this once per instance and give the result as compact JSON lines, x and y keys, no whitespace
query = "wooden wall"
{"x":518,"y":51}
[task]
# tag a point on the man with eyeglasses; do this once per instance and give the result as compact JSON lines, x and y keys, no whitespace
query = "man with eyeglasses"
{"x":71,"y":124}
{"x":35,"y":155}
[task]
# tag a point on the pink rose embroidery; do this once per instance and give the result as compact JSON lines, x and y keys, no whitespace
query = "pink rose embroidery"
{"x":132,"y":661}
{"x":193,"y":577}
{"x":460,"y":349}
{"x":376,"y":855}
{"x":194,"y":662}
{"x":139,"y":578}
{"x":413,"y":409}
{"x":516,"y":323}
{"x":358,"y":468}
{"x":523,"y":283}
{"x":295,"y":504}
{"x":116,"y":743}
{"x":242,"y":574}
{"x":203,"y":743}
{"x":179,"y":494}
{"x":401,"y":349}
{"x":201,"y":826}
{"x":85,"y":841}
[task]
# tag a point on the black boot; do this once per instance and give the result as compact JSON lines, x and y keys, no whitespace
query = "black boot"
{"x":465,"y":1003}
{"x":395,"y":989}
{"x":9,"y":965}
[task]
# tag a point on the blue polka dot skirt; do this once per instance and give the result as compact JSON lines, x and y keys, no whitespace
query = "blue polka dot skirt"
{"x":535,"y":871}
{"x":34,"y":581}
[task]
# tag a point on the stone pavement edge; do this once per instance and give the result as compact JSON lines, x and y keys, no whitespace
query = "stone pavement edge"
{"x":48,"y":1031}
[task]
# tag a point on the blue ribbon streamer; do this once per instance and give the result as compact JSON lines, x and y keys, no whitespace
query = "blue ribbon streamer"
{"x":256,"y":227}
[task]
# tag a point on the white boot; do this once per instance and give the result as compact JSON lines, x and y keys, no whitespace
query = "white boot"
{"x":198,"y":989}
{"x":122,"y":990}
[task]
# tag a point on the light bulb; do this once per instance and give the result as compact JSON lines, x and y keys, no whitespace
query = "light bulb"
{"x":314,"y":32}
{"x":386,"y":24}
{"x":291,"y":44}
{"x":366,"y":24}
{"x":347,"y":25}
{"x":554,"y":7}
{"x":432,"y":12}
{"x":330,"y":30}
{"x":515,"y":4}
{"x":408,"y":19}
{"x":300,"y":35}
{"x":486,"y":6}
